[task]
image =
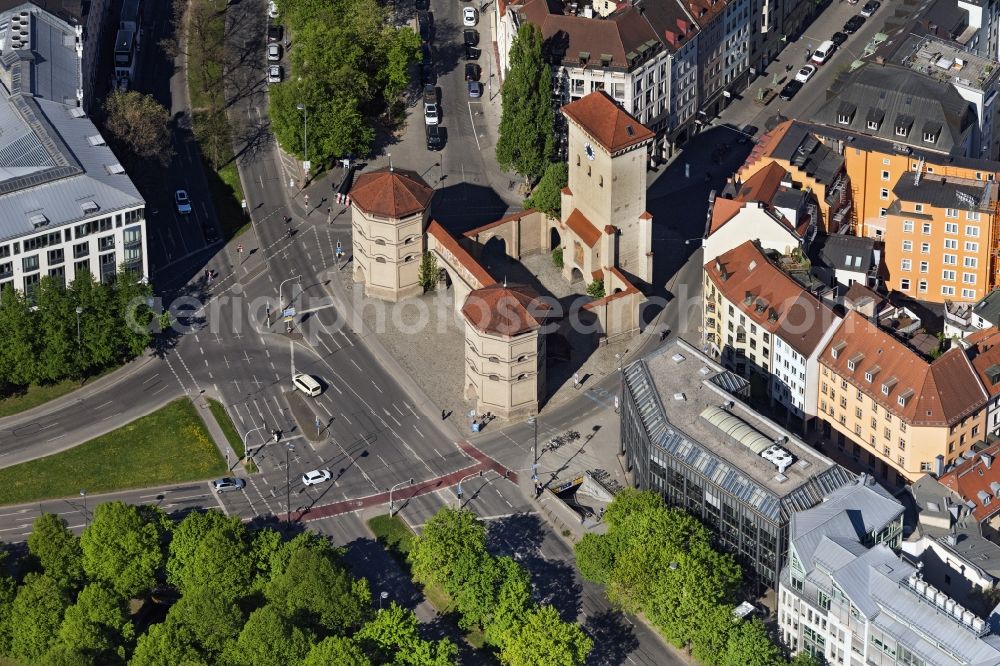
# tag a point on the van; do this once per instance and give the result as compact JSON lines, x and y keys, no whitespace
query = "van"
{"x":823,"y":52}
{"x":307,"y":384}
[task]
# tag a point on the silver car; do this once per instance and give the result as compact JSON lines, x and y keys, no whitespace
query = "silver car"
{"x":227,"y":483}
{"x":274,"y":74}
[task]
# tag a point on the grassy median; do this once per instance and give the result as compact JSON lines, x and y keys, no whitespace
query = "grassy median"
{"x":171,"y":445}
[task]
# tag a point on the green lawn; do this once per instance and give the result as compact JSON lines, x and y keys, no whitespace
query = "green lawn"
{"x":36,"y":395}
{"x":171,"y":445}
{"x":226,"y":423}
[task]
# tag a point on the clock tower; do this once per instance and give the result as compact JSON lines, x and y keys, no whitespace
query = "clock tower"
{"x":605,"y":200}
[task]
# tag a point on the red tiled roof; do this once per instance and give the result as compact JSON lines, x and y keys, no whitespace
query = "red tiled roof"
{"x":461,"y":255}
{"x":934,"y":394}
{"x":778,"y":303}
{"x":391,"y":193}
{"x":496,"y":223}
{"x":762,"y":185}
{"x":508,"y":310}
{"x":723,"y":210}
{"x":584,"y":228}
{"x":609,"y":124}
{"x":973,"y":476}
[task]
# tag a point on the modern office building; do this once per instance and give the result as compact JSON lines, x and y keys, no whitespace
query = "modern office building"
{"x":687,"y":434}
{"x":66,"y":204}
{"x":847,"y":598}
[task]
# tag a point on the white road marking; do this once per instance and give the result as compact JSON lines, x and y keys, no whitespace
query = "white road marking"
{"x":56,"y":437}
{"x":419,"y":433}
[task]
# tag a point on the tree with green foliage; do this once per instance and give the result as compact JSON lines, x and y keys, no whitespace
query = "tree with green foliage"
{"x":749,"y":645}
{"x":131,"y":295}
{"x":402,"y":48}
{"x":56,"y":327}
{"x":57,"y":550}
{"x":338,"y":650}
{"x":547,"y":195}
{"x":595,"y":557}
{"x":187,"y":535}
{"x":140,"y":125}
{"x":123,"y":549}
{"x":167,"y":643}
{"x":545,"y":640}
{"x":268,"y":639}
{"x":317,"y":593}
{"x":212,"y":621}
{"x":450,"y":539}
{"x":8,"y":592}
{"x":510,"y":604}
{"x":596,"y":289}
{"x":97,"y":626}
{"x":392,"y":636}
{"x":19,"y":350}
{"x":527,"y":140}
{"x":803,"y":658}
{"x":557,"y":257}
{"x":427,"y":274}
{"x":35,"y":617}
{"x":220,"y":564}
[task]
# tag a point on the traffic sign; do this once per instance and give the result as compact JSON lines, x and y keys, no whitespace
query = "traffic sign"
{"x":243,"y":202}
{"x":289,"y":312}
{"x":239,"y":248}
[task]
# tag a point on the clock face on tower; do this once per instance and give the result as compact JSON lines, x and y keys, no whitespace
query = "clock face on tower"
{"x":587,"y":148}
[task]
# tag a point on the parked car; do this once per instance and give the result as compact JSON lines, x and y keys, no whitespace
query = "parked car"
{"x":423,"y":5}
{"x":790,"y":89}
{"x":425,"y":22}
{"x":870,"y":8}
{"x":182,"y":202}
{"x":472,"y":53}
{"x":430,"y":94}
{"x":431,"y":116}
{"x":838,"y":39}
{"x":426,"y":74}
{"x":211,"y":236}
{"x":823,"y":52}
{"x":854,"y":24}
{"x":274,"y":52}
{"x":472,"y":71}
{"x":471,"y":37}
{"x":805,"y":73}
{"x":475,"y":89}
{"x":315,"y":476}
{"x":275,"y":74}
{"x":470,"y":17}
{"x":435,"y":137}
{"x":227,"y":483}
{"x":275,"y":33}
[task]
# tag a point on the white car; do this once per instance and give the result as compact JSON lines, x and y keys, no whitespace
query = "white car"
{"x":183,"y":202}
{"x":316,"y":476}
{"x":274,"y":74}
{"x":805,"y":73}
{"x":431,"y":116}
{"x":470,"y":17}
{"x":274,"y":52}
{"x":272,"y":10}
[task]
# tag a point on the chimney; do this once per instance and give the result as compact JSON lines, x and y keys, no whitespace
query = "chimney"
{"x":987,"y":459}
{"x":938,"y":465}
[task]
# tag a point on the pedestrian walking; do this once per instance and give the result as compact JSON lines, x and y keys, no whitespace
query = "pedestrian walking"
{"x":443,"y":415}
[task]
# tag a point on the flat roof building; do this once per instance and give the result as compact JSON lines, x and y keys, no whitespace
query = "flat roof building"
{"x":687,"y":434}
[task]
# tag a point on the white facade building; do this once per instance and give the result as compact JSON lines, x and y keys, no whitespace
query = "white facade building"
{"x":66,"y":204}
{"x":846,"y":597}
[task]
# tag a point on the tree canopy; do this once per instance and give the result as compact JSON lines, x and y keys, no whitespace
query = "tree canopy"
{"x":350,"y":65}
{"x":547,"y":196}
{"x":140,"y":125}
{"x":141,"y":589}
{"x":661,"y":562}
{"x":527,"y":140}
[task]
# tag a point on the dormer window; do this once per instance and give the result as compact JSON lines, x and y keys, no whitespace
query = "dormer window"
{"x":931,"y":132}
{"x":874,"y":119}
{"x":888,"y":385}
{"x":837,"y":348}
{"x":872,"y":372}
{"x":845,"y":113}
{"x":903,"y":124}
{"x":852,"y":363}
{"x":904,"y":397}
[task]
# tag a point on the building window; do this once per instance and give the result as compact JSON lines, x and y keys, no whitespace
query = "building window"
{"x":969,"y":278}
{"x":951,"y":227}
{"x":924,"y":266}
{"x":947,"y":291}
{"x":971,"y":247}
{"x":925,"y":248}
{"x":907,"y":246}
{"x":950,"y":259}
{"x":971,"y":231}
{"x":971,"y":216}
{"x":951,"y":212}
{"x":885,"y":174}
{"x":969,"y":293}
{"x":919,"y":208}
{"x":948,"y":275}
{"x":908,"y":225}
{"x":904,"y":284}
{"x":970,"y":262}
{"x":55,"y":257}
{"x":906,"y":265}
{"x":29,"y":264}
{"x":925,"y":467}
{"x":950,"y":244}
{"x":922,"y":286}
{"x":925,"y":228}
{"x":884,"y":193}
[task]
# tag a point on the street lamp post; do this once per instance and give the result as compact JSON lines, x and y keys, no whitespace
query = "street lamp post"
{"x":464,"y":479}
{"x":533,"y":421}
{"x":86,"y":516}
{"x":392,"y":507}
{"x":382,"y":596}
{"x":288,"y":484}
{"x":246,"y":438}
{"x":79,"y":311}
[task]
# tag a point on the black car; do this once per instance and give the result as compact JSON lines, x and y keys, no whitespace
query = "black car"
{"x":274,"y":33}
{"x":854,"y":24}
{"x":435,"y":137}
{"x":790,"y":89}
{"x":472,"y":71}
{"x":870,"y":7}
{"x":425,"y":22}
{"x":426,"y":74}
{"x":472,"y":53}
{"x":210,"y":235}
{"x":423,"y":5}
{"x":838,"y":39}
{"x":471,"y":37}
